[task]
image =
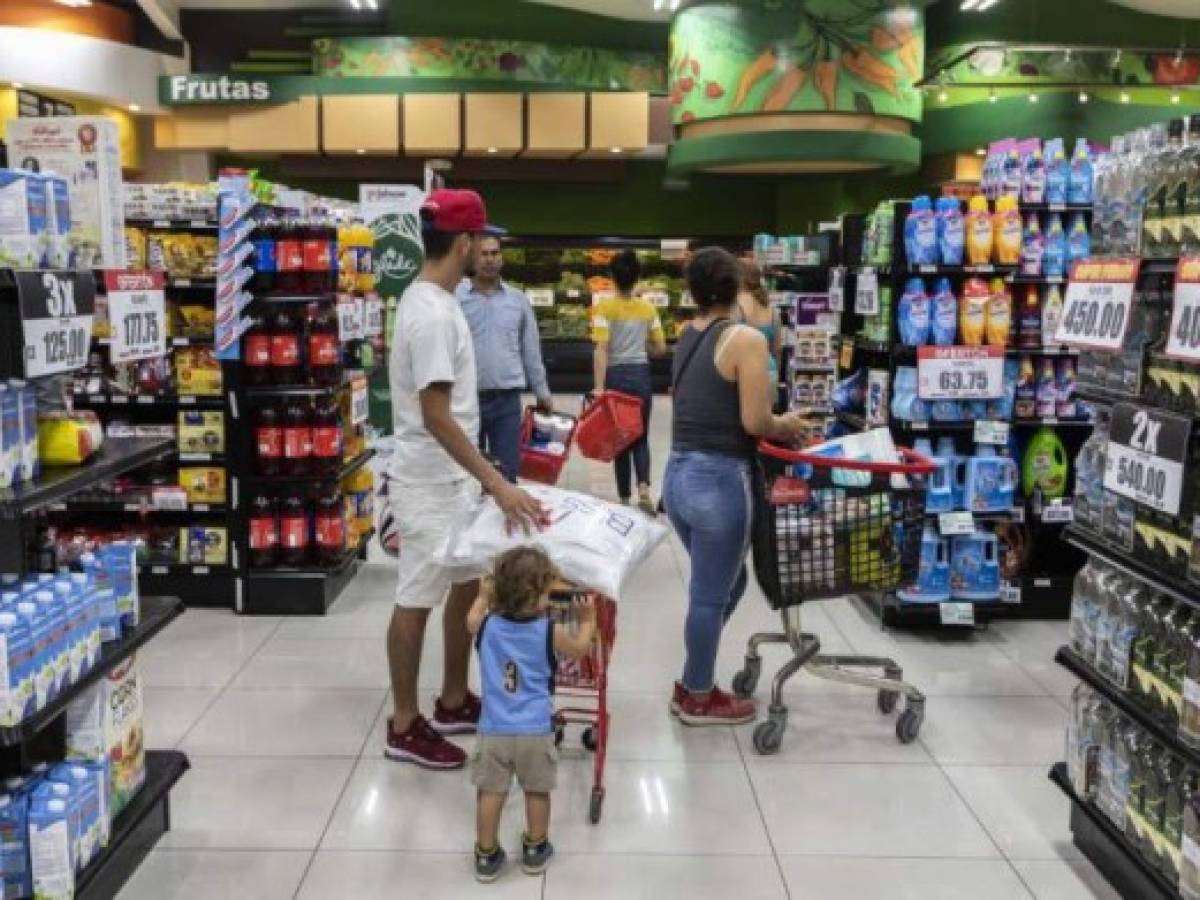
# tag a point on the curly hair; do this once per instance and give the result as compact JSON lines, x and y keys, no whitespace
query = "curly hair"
{"x":522,"y":576}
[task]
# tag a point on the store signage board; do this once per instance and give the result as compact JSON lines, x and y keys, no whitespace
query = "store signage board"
{"x":960,"y":373}
{"x":866,"y":292}
{"x":392,"y":211}
{"x":137,"y":312}
{"x":199,"y":88}
{"x":1147,"y":456}
{"x":1098,"y":304}
{"x":57,"y":308}
{"x":1183,"y":340}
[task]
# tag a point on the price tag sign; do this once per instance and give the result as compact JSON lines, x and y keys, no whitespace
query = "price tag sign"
{"x":1060,"y":510}
{"x":138,"y":315}
{"x":1183,"y":340}
{"x":686,"y":300}
{"x":359,"y":406}
{"x":373,"y":306}
{"x":540,"y":296}
{"x":56,"y":320}
{"x":598,"y":296}
{"x":1010,"y":593}
{"x":957,"y":522}
{"x":1147,"y":456}
{"x":956,"y":613}
{"x":995,"y":433}
{"x":960,"y":373}
{"x":352,"y":324}
{"x":661,"y":299}
{"x":1099,"y":303}
{"x":837,"y":288}
{"x":866,"y":293}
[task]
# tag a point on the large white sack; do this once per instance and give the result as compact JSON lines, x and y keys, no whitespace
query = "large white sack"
{"x":594,"y":544}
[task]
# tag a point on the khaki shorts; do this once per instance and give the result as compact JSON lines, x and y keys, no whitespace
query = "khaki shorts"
{"x":533,"y":758}
{"x":426,"y":514}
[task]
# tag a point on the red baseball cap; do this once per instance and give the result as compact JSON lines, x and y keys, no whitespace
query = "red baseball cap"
{"x":457,"y":210}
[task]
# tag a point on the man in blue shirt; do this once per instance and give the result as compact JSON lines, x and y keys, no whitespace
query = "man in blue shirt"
{"x":508,"y":355}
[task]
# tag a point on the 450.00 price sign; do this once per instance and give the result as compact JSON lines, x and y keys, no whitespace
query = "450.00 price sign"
{"x":1099,"y":303}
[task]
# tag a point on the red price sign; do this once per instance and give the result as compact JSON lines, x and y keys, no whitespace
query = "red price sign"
{"x":960,"y":373}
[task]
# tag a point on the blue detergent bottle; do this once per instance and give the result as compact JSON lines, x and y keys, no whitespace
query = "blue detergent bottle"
{"x":951,"y":231}
{"x":920,"y":234}
{"x":1079,"y":176}
{"x":912,"y":316}
{"x":1054,"y":256}
{"x":1079,"y":239}
{"x":933,"y":578}
{"x":943,"y":318}
{"x":990,"y":481}
{"x":975,"y":567}
{"x":938,"y":494}
{"x":946,"y":455}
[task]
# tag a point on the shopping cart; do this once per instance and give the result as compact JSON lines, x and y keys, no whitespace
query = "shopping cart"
{"x":537,"y":462}
{"x":829,"y":527}
{"x":608,"y":425}
{"x":581,"y":687}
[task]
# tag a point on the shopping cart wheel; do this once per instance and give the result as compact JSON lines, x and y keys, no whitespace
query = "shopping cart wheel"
{"x":768,"y":735}
{"x":596,"y":805}
{"x":886,"y":701}
{"x":908,"y":726}
{"x":746,"y":681}
{"x":589,"y":738}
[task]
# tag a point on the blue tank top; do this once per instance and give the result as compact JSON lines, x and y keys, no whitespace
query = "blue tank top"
{"x":768,"y":331}
{"x":516,"y":665}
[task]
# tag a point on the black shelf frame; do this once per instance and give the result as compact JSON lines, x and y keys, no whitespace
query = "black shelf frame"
{"x":124,"y":402}
{"x":199,"y":225}
{"x":349,"y":467}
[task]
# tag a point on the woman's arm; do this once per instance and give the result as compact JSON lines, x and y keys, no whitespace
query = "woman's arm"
{"x":599,"y":364}
{"x":748,"y":352}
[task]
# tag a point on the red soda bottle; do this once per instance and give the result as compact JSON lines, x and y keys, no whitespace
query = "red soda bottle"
{"x":297,"y":437}
{"x":268,"y":441}
{"x":285,"y":348}
{"x":264,"y":532}
{"x":318,"y":258}
{"x":289,"y":258}
{"x":293,"y":531}
{"x":328,"y":439}
{"x":324,"y":350}
{"x":330,"y":527}
{"x":256,"y":354}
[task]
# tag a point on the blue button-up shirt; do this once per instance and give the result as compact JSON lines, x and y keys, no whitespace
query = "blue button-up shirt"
{"x":508,"y":350}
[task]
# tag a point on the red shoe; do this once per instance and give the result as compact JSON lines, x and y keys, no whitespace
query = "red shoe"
{"x":457,"y":721}
{"x":423,"y":746}
{"x":715,"y":708}
{"x":678,"y":693}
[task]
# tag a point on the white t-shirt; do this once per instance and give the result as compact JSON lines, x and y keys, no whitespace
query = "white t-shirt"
{"x":431,"y":343}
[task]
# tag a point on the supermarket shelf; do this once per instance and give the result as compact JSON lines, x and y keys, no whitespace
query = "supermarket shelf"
{"x":1163,"y":266}
{"x":1055,"y":421}
{"x":347,"y":468}
{"x":177,"y":568}
{"x":921,"y":427}
{"x":1108,"y":849}
{"x":1056,"y":207}
{"x":116,"y":456}
{"x":895,"y":614}
{"x":197,"y":283}
{"x":151,"y":401}
{"x":1093,"y":393}
{"x":273,"y":391}
{"x":987,"y":269}
{"x":1018,"y":278}
{"x":157,"y":613}
{"x":191,"y":341}
{"x":303,"y":591}
{"x":173,"y":224}
{"x":197,"y":456}
{"x":135,"y":830}
{"x":1124,"y":560}
{"x":318,"y":297}
{"x":116,"y":506}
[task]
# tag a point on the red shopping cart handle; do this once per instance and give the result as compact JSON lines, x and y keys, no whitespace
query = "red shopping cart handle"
{"x":911,"y":462}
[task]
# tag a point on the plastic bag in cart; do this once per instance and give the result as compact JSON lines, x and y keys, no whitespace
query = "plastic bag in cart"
{"x":594,"y":544}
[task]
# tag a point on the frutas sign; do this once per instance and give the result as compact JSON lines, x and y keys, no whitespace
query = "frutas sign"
{"x":190,"y":90}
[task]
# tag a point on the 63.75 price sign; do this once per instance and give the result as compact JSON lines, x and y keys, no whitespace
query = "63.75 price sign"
{"x":138,"y":315}
{"x":56,"y":320}
{"x":960,"y":373}
{"x":1099,"y":304}
{"x":1147,"y":456}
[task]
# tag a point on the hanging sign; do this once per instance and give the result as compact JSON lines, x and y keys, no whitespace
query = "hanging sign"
{"x":373,"y":306}
{"x":866,"y":293}
{"x":1183,"y":340}
{"x":960,"y":373}
{"x":352,"y":319}
{"x":359,"y":401}
{"x":137,"y":312}
{"x":57,"y":308}
{"x":1147,"y":456}
{"x":1099,"y":303}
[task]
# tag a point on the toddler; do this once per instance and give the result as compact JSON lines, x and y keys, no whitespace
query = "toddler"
{"x":517,"y":645}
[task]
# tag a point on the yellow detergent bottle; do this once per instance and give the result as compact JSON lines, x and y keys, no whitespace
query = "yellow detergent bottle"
{"x":999,"y":313}
{"x":980,"y":233}
{"x":973,"y":312}
{"x":1006,"y":228}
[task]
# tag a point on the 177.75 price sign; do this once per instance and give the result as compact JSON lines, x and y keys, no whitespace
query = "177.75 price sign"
{"x":138,"y":315}
{"x":1147,"y":456}
{"x":56,"y":320}
{"x":1099,"y":304}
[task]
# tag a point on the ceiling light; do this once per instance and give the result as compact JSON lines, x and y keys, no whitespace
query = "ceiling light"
{"x":361,"y":151}
{"x":1124,"y":96}
{"x":357,"y":4}
{"x":979,"y":151}
{"x":674,"y":5}
{"x":943,"y":95}
{"x":1083,"y":97}
{"x":372,"y":4}
{"x":75,"y":3}
{"x":1175,"y":98}
{"x":1116,"y":62}
{"x":659,"y":4}
{"x":968,"y":5}
{"x":614,"y":150}
{"x":986,"y":5}
{"x":1033,"y":98}
{"x":133,"y":107}
{"x":493,"y":149}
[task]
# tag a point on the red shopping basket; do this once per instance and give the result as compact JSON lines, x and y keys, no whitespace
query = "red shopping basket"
{"x":538,"y":464}
{"x":609,"y":425}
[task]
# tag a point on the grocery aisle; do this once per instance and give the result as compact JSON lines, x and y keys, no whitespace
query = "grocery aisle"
{"x":290,"y":796}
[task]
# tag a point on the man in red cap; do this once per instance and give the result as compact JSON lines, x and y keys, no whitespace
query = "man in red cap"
{"x":436,"y":475}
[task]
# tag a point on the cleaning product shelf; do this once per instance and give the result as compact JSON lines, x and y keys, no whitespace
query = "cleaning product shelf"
{"x":1124,"y":560}
{"x":173,"y":224}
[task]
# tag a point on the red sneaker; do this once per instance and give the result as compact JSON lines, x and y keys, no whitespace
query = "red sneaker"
{"x":423,"y":746}
{"x":457,"y":721}
{"x":678,"y":693}
{"x":715,"y":708}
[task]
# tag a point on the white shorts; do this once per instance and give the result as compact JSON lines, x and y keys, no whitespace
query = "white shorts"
{"x":426,"y":513}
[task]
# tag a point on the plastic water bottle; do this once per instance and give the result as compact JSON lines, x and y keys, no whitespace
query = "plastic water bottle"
{"x":1080,"y":633}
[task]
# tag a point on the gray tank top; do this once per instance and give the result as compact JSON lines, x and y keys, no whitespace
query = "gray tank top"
{"x":706,"y":410}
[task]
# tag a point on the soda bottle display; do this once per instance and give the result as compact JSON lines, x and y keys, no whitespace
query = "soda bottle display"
{"x":268,"y":440}
{"x":289,"y":255}
{"x":328,"y":438}
{"x":256,"y":355}
{"x":285,"y":348}
{"x":1145,"y":649}
{"x":324,"y":350}
{"x":1169,"y":662}
{"x":266,"y":263}
{"x":264,"y":531}
{"x":319,"y":244}
{"x":297,"y":437}
{"x":330,"y":527}
{"x":293,"y":531}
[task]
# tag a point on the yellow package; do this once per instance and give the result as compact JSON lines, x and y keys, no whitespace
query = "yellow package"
{"x":68,"y":441}
{"x":201,"y":432}
{"x":203,"y":546}
{"x":135,"y":248}
{"x":203,"y":484}
{"x":196,"y":320}
{"x":155,"y":253}
{"x":180,"y":254}
{"x":205,"y":249}
{"x":101,"y":323}
{"x":197,"y":371}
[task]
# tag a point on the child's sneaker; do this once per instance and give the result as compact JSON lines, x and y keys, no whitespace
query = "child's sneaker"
{"x":488,"y":865}
{"x":535,"y":857}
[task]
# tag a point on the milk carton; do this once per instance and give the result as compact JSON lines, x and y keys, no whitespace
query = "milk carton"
{"x":15,"y":878}
{"x":98,"y":772}
{"x":16,"y":669}
{"x":27,"y":416}
{"x":89,"y":618}
{"x":119,"y":561}
{"x":53,"y":868}
{"x":57,"y":790}
{"x":58,"y":222}
{"x":10,"y":437}
{"x":22,"y":219}
{"x":43,"y":663}
{"x":59,"y":649}
{"x":83,"y":790}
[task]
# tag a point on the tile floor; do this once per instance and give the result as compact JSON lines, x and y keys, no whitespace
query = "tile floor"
{"x":289,"y":795}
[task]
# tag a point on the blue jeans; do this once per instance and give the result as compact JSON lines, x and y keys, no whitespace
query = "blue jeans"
{"x":633,"y":379}
{"x":707,"y":496}
{"x":500,"y":429}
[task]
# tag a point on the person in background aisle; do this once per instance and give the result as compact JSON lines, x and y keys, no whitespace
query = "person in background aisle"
{"x":517,"y":643}
{"x":627,"y":332}
{"x":722,"y":403}
{"x":508,"y":354}
{"x":754,"y":309}
{"x":436,"y":475}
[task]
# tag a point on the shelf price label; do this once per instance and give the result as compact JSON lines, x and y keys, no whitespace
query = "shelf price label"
{"x":866,"y":292}
{"x":956,"y":613}
{"x":660,"y":299}
{"x":540,"y":296}
{"x":359,"y":406}
{"x":1099,"y":303}
{"x":56,"y":309}
{"x":1147,"y":456}
{"x":1183,"y":340}
{"x":956,"y":522}
{"x":1058,"y":511}
{"x":960,"y":373}
{"x":989,"y":432}
{"x":351,"y":313}
{"x":837,"y":288}
{"x":373,"y":311}
{"x":138,"y":315}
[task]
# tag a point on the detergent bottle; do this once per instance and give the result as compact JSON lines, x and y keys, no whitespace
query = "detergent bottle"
{"x":1033,"y":183}
{"x":1025,"y":402}
{"x":939,"y":492}
{"x":1006,"y":228}
{"x":980,"y":232}
{"x":933,"y":577}
{"x":946,"y":455}
{"x":1029,"y":319}
{"x":975,"y":566}
{"x":912,"y":316}
{"x":1052,"y":311}
{"x":990,"y":482}
{"x":1033,"y":246}
{"x":1046,"y":389}
{"x":1079,"y":176}
{"x":920,"y":234}
{"x":1066,"y":407}
{"x":1079,"y":239}
{"x":1011,"y":174}
{"x":951,"y":231}
{"x":1056,"y":173}
{"x":999,"y":314}
{"x":943,"y":325}
{"x":972,"y":312}
{"x":1054,"y":258}
{"x":1045,"y":468}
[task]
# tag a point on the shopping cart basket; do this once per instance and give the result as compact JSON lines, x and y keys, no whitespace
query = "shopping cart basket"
{"x":829,"y":527}
{"x":537,"y":462}
{"x":609,"y":425}
{"x":581,"y":687}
